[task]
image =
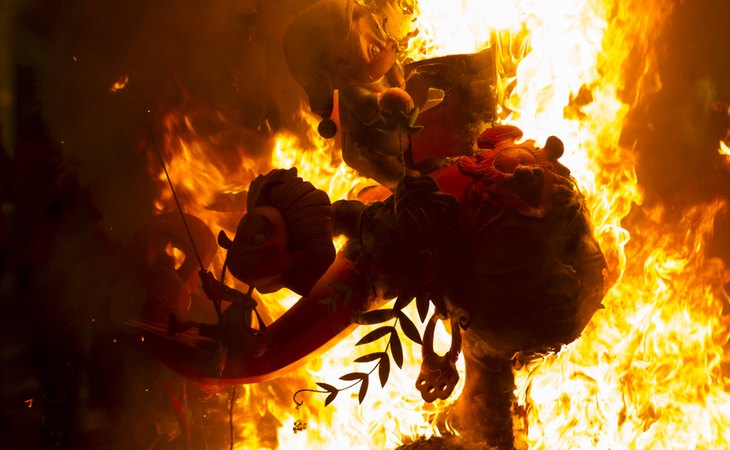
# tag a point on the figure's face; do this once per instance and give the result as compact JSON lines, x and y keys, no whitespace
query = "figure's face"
{"x":368,"y":53}
{"x":258,"y":255}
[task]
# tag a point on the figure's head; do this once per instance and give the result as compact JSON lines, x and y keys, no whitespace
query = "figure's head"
{"x":367,"y":52}
{"x":258,"y":253}
{"x":334,"y":43}
{"x":285,"y":237}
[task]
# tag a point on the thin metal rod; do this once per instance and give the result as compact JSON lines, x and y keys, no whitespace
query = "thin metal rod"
{"x":230,"y":413}
{"x":177,"y":202}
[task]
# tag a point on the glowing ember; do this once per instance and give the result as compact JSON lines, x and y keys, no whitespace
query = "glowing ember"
{"x":177,"y":255}
{"x":647,"y":371}
{"x":120,"y":84}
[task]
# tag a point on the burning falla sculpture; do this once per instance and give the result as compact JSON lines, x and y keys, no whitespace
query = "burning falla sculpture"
{"x":493,"y":233}
{"x":499,"y":241}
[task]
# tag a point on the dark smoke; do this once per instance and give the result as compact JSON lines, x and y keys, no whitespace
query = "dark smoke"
{"x":80,"y":186}
{"x":208,"y":56}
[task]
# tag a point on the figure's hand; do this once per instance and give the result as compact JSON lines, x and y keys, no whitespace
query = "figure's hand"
{"x":217,"y":291}
{"x":397,"y":112}
{"x":214,"y":289}
{"x":394,"y":101}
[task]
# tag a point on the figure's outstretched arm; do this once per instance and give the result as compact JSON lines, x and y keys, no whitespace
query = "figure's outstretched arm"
{"x":312,"y":326}
{"x":217,"y":291}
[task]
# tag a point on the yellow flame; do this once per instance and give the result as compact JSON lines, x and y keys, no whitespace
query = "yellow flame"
{"x":318,"y":162}
{"x":647,"y":373}
{"x":650,"y":371}
{"x":177,"y":255}
{"x":724,"y":149}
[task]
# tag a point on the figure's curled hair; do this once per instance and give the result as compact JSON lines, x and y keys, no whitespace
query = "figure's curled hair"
{"x":307,"y":212}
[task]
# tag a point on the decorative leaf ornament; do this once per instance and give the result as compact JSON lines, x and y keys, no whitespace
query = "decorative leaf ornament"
{"x":410,"y":248}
